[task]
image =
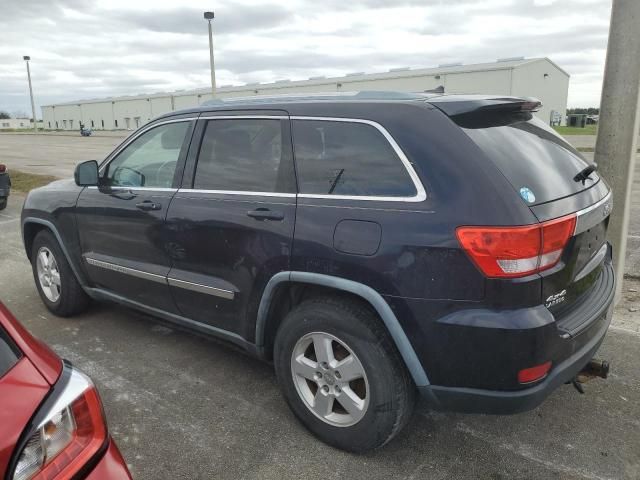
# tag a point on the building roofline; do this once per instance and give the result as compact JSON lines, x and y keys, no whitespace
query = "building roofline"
{"x":349,"y":78}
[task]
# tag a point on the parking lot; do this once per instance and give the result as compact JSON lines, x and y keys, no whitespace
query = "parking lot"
{"x":181,"y":406}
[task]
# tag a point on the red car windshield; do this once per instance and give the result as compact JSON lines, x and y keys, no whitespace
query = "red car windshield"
{"x":9,"y":353}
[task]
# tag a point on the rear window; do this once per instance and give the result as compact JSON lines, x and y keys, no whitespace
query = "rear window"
{"x":348,"y":158}
{"x":9,"y":353}
{"x":531,"y":155}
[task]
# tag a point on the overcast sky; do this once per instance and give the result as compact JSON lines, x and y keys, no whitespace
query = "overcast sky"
{"x":96,"y":48}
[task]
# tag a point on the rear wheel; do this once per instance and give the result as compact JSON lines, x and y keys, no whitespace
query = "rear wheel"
{"x":56,"y":283}
{"x":342,"y":375}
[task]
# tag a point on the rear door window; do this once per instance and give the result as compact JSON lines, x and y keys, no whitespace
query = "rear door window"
{"x":531,"y":155}
{"x":245,"y":155}
{"x":347,"y":159}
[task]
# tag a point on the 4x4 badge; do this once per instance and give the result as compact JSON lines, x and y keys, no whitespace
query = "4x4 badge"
{"x":555,"y":299}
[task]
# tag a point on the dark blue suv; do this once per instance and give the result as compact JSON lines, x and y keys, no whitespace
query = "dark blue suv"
{"x":372,"y":246}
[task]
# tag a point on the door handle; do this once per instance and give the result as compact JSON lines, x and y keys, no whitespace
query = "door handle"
{"x":147,"y":206}
{"x":265,"y":214}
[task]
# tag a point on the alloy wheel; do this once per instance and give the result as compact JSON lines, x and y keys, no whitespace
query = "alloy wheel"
{"x":330,"y":379}
{"x":48,"y":274}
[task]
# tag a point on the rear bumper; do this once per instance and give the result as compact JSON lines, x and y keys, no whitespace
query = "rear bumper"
{"x":111,"y":466}
{"x":472,"y":400}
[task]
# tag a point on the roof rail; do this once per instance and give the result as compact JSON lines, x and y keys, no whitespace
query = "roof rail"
{"x":327,"y":96}
{"x":438,"y":89}
{"x":509,"y":59}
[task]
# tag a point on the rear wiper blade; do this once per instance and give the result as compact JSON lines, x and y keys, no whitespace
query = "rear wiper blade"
{"x":584,"y":173}
{"x":334,"y":184}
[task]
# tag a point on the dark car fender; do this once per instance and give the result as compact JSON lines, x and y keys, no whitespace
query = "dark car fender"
{"x":53,"y":207}
{"x":51,"y":227}
{"x":367,"y":293}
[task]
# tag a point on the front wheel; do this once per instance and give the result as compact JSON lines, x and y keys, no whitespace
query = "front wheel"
{"x":342,"y":375}
{"x":56,"y":283}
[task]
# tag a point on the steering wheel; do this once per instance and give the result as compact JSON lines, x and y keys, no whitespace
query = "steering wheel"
{"x":165,"y":178}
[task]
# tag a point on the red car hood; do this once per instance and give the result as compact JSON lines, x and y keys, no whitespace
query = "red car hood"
{"x":24,"y":386}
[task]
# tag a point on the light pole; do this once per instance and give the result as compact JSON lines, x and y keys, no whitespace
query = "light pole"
{"x":209,"y":16}
{"x":617,"y":142}
{"x":26,"y":58}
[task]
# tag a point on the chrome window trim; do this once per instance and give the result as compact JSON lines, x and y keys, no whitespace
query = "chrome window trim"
{"x":244,"y":117}
{"x":133,"y":189}
{"x":420,"y":195}
{"x":134,"y":136}
{"x":238,"y":192}
{"x":153,"y":277}
{"x":198,"y":287}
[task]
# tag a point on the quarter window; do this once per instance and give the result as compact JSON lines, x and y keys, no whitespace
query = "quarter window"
{"x":245,"y":155}
{"x":348,"y":158}
{"x":150,"y":160}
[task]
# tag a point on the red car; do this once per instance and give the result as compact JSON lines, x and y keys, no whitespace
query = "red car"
{"x":52,"y":425}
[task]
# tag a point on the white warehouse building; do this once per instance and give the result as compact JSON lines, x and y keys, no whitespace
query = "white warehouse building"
{"x":533,"y":77}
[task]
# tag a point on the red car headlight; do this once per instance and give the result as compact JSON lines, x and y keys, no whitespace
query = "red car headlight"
{"x":71,"y":433}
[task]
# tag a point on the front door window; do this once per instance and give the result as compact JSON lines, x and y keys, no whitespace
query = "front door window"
{"x":150,"y":160}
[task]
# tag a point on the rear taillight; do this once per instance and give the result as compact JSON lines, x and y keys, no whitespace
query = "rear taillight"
{"x":507,"y":252}
{"x":68,"y":437}
{"x":533,"y":374}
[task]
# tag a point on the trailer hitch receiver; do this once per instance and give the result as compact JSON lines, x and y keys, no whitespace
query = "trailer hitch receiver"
{"x":594,"y":369}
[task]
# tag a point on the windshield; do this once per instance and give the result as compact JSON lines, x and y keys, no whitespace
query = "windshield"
{"x":537,"y":161}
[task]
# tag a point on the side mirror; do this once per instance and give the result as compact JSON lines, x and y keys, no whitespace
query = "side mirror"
{"x":86,"y":174}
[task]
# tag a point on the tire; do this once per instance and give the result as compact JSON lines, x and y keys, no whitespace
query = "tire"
{"x":71,"y":298}
{"x":385,"y":393}
{"x":3,"y":203}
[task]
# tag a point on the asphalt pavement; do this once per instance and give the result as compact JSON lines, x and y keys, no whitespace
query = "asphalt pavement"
{"x":184,"y":407}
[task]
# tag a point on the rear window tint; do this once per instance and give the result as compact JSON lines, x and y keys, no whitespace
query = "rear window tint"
{"x":244,"y":155}
{"x":9,"y":353}
{"x":530,"y":154}
{"x":347,"y":158}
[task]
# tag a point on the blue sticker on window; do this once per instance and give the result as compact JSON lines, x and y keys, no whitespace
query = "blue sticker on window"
{"x":527,"y":195}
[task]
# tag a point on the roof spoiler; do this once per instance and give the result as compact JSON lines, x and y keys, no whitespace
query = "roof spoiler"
{"x":464,"y":105}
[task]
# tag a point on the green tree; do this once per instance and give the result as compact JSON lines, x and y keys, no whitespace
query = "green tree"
{"x":4,"y":115}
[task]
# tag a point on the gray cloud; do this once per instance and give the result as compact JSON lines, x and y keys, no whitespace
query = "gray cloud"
{"x":83,"y":50}
{"x":229,"y":19}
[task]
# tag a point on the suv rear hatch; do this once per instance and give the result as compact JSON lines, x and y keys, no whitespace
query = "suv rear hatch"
{"x":544,"y":171}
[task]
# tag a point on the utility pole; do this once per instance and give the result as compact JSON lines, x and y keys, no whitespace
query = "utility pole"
{"x":617,"y":141}
{"x":26,"y":58}
{"x":209,"y":16}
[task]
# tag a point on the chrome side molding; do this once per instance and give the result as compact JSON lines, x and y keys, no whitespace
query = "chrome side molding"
{"x":198,"y":287}
{"x":154,"y":277}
